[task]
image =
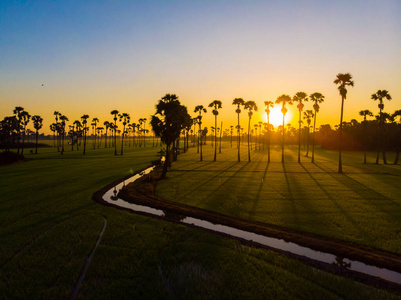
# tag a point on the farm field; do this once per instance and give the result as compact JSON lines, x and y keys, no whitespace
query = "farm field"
{"x":49,"y":225}
{"x":362,"y":206}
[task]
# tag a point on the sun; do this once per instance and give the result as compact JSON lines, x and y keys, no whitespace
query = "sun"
{"x":276,"y":116}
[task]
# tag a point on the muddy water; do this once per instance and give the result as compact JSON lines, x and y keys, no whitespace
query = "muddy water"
{"x":111,"y":197}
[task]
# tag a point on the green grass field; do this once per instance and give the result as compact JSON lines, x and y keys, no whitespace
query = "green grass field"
{"x":362,"y":206}
{"x":49,"y":225}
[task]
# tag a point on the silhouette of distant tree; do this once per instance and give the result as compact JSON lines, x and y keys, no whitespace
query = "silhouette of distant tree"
{"x":199,"y":109}
{"x":125,"y":118}
{"x":84,"y":120}
{"x":316,"y":98}
{"x":25,"y":117}
{"x":63,"y":120}
{"x":343,"y":80}
{"x":300,"y":97}
{"x":239,"y":102}
{"x":18,"y":114}
{"x":283,"y":99}
{"x":168,"y":121}
{"x":396,"y":114}
{"x":380,"y":95}
{"x":216,"y":104}
{"x":365,"y":113}
{"x":37,"y":124}
{"x":251,"y":107}
{"x":268,"y":105}
{"x":115,"y":113}
{"x":308,"y":115}
{"x":94,"y":123}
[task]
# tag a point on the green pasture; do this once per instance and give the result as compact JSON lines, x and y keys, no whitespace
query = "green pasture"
{"x":49,"y":226}
{"x":362,"y":206}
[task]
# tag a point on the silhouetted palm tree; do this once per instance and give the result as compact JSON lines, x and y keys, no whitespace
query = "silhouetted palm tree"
{"x":365,"y":113}
{"x":84,"y":119}
{"x":125,"y":118}
{"x":56,"y":115}
{"x":17,"y":112}
{"x":380,"y":95}
{"x":199,"y":109}
{"x":343,"y":80}
{"x":216,"y":104}
{"x":300,"y":97}
{"x":308,"y":115}
{"x":37,"y":124}
{"x":94,"y":122}
{"x":107,"y":126}
{"x":239,"y":102}
{"x":268,"y":104}
{"x":316,"y":98}
{"x":25,"y":117}
{"x":396,"y":114}
{"x":53,"y":127}
{"x":78,"y":131}
{"x":63,"y":119}
{"x":251,"y":107}
{"x":115,"y":113}
{"x":283,"y":99}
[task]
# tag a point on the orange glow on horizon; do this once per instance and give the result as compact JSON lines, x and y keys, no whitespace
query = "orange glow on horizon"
{"x":276,"y":117}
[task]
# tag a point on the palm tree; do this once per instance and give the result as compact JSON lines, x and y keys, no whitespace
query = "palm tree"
{"x":115,"y":113}
{"x":18,"y":112}
{"x":125,"y":118}
{"x":25,"y":117}
{"x":107,"y":126}
{"x":199,"y":109}
{"x":283,"y":99}
{"x":53,"y":128}
{"x":63,"y":119}
{"x":78,"y":129}
{"x":84,"y":119}
{"x":239,"y":102}
{"x":251,"y":107}
{"x":308,"y":115}
{"x":94,"y":123}
{"x":268,"y":104}
{"x":396,"y":114}
{"x":342,"y":80}
{"x":56,"y":115}
{"x":365,"y":113}
{"x":316,"y":98}
{"x":37,"y":124}
{"x":216,"y":104}
{"x":299,"y":97}
{"x":380,"y":95}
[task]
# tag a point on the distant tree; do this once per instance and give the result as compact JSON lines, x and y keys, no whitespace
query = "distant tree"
{"x":25,"y":117}
{"x":316,"y":98}
{"x":396,"y":114}
{"x":216,"y":104}
{"x":53,"y":128}
{"x":239,"y":102}
{"x":63,"y":120}
{"x":343,"y":80}
{"x":115,"y":113}
{"x":94,"y":123}
{"x":268,"y":105}
{"x":167,"y":123}
{"x":380,"y":95}
{"x":308,"y":115}
{"x":84,"y":120}
{"x":251,"y":107}
{"x":125,"y":118}
{"x":300,"y":97}
{"x":78,"y":131}
{"x":56,"y":116}
{"x":365,"y":113}
{"x":37,"y":124}
{"x":107,"y":127}
{"x":18,"y":114}
{"x":283,"y":99}
{"x":199,"y":109}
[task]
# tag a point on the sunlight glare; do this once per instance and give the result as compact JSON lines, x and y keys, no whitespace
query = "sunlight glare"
{"x":276,"y":117}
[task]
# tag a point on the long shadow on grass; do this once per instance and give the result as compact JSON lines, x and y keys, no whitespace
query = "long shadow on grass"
{"x":257,"y":198}
{"x":335,"y":202}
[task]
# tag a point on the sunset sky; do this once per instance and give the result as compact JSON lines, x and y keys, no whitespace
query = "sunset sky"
{"x":96,"y":56}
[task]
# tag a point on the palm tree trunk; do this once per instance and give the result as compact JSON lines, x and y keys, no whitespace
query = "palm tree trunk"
{"x":299,"y":137}
{"x":249,"y":129}
{"x":221,"y":132}
{"x":340,"y":142}
{"x":36,"y":148}
{"x":238,"y":139}
{"x":84,"y":141}
{"x":282,"y":146}
{"x":166,"y":162}
{"x":364,"y":141}
{"x":313,"y":139}
{"x":215,"y":138}
{"x":268,"y":138}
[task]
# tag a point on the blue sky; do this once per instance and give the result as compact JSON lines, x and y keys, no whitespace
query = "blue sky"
{"x":95,"y":56}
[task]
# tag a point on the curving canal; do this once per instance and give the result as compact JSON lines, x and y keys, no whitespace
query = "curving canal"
{"x":111,"y":197}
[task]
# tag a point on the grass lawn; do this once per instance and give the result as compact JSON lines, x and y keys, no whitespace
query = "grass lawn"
{"x":362,"y":206}
{"x":49,"y":226}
